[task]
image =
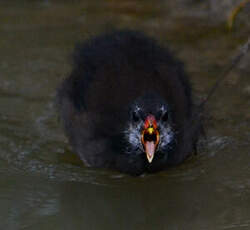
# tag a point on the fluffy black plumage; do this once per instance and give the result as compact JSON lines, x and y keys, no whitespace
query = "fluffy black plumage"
{"x":113,"y":75}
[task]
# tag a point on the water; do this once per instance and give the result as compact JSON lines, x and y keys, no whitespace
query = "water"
{"x":44,"y":186}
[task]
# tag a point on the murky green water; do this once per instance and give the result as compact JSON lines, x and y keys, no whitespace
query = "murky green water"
{"x":44,"y":186}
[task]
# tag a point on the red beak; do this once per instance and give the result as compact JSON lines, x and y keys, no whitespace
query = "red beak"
{"x":150,"y":137}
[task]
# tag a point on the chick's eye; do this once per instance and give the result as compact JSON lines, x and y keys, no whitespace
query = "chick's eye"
{"x":135,"y":116}
{"x":164,"y":116}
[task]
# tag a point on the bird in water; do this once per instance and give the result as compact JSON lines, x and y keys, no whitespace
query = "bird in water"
{"x":127,"y":104}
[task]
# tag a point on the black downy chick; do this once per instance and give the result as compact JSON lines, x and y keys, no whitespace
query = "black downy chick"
{"x":127,"y":104}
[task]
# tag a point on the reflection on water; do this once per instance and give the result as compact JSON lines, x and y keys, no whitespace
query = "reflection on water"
{"x":44,"y":186}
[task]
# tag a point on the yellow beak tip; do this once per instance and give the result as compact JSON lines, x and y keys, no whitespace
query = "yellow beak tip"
{"x":150,"y":130}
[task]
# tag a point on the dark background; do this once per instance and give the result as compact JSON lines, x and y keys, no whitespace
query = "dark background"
{"x":45,"y":186}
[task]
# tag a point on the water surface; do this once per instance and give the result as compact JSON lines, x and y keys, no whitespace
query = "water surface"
{"x":44,"y":186}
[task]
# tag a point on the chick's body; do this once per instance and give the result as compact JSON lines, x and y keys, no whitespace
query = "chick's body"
{"x":113,"y":76}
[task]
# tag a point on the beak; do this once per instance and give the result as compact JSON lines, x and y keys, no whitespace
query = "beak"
{"x":150,"y":140}
{"x":150,"y":150}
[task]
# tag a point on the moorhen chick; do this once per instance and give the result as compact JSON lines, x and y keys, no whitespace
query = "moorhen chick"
{"x":127,"y":104}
